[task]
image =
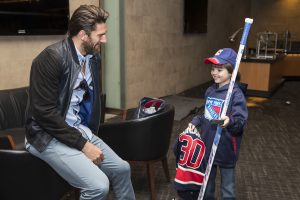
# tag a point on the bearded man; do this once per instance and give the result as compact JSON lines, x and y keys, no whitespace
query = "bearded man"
{"x":64,"y":111}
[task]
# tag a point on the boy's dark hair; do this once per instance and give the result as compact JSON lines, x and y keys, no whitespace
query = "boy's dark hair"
{"x":85,"y":18}
{"x":229,"y":68}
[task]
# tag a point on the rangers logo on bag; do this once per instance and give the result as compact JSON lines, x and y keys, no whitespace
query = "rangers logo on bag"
{"x":213,"y":108}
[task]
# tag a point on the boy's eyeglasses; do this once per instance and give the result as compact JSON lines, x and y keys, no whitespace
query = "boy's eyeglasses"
{"x":84,"y":86}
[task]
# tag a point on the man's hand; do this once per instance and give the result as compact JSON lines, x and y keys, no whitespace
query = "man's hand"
{"x":93,"y":153}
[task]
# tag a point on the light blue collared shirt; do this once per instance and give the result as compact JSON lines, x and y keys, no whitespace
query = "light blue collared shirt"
{"x":72,"y":118}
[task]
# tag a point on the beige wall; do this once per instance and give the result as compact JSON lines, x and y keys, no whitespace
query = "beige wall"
{"x":17,"y":53}
{"x":160,"y":59}
{"x":275,"y":16}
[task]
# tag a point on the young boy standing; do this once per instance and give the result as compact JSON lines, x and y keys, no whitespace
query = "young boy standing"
{"x":233,"y":123}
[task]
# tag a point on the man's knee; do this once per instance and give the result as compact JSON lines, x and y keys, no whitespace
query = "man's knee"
{"x":103,"y":188}
{"x":123,"y":169}
{"x":97,"y":188}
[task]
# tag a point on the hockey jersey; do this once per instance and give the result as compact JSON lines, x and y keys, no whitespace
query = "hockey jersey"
{"x":191,"y":160}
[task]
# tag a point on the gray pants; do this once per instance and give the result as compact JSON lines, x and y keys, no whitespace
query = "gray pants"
{"x":82,"y":173}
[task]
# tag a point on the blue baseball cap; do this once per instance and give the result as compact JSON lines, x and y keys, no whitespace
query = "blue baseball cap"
{"x":223,"y":56}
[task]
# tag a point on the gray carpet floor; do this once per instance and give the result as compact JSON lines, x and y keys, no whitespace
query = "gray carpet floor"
{"x":269,"y":164}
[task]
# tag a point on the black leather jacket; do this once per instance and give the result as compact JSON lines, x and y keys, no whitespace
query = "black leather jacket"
{"x":52,"y":78}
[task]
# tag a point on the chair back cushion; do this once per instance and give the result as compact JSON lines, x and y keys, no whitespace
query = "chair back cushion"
{"x":13,"y":105}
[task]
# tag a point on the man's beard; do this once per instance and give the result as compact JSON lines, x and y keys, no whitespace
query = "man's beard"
{"x":90,"y":48}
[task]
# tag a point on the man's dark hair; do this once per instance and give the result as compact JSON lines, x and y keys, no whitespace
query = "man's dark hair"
{"x":85,"y":18}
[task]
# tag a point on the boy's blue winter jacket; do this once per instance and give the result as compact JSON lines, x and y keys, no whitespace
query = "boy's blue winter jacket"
{"x":229,"y":146}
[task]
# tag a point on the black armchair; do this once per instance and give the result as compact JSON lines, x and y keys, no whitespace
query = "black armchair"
{"x":22,"y":176}
{"x":142,"y":140}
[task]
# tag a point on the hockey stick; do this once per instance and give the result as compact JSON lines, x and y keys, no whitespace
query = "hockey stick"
{"x":247,"y":26}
